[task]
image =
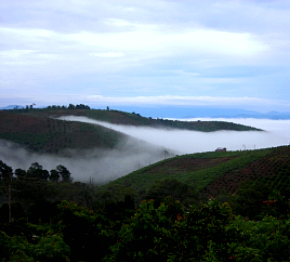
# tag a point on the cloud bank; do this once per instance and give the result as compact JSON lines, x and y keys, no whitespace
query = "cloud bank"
{"x":276,"y":133}
{"x":95,"y":52}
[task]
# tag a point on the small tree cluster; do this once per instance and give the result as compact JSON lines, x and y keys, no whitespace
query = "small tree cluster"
{"x":70,"y":106}
{"x":36,"y":171}
{"x":80,"y":106}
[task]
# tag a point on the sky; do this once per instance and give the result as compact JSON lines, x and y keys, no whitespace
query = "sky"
{"x":113,"y":53}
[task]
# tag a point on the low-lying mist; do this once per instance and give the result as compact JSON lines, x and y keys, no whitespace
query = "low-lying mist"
{"x":276,"y":133}
{"x":101,"y":165}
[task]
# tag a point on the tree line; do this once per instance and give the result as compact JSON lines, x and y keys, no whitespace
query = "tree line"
{"x":54,"y":107}
{"x":36,"y":171}
{"x":70,"y":107}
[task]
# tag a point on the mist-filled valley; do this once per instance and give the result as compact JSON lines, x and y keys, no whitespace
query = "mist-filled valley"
{"x":148,"y":145}
{"x":98,"y":165}
{"x":275,"y":133}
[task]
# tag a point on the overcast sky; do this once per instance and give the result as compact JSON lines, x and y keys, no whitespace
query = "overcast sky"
{"x":131,"y":52}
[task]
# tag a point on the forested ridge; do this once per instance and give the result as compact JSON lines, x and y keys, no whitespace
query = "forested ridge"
{"x":54,"y":218}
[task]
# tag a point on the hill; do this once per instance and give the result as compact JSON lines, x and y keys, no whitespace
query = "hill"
{"x":45,"y":134}
{"x":39,"y":130}
{"x":125,"y":118}
{"x":135,"y":119}
{"x":216,"y":173}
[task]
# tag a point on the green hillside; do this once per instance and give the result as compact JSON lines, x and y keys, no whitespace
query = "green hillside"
{"x":39,"y":130}
{"x":215,"y":173}
{"x":45,"y":134}
{"x":119,"y":117}
{"x":125,"y":118}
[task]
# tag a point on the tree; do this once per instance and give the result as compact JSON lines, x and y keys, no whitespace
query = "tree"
{"x":36,"y":171}
{"x":5,"y":170}
{"x":65,"y":174}
{"x":20,"y":173}
{"x":44,"y":174}
{"x":81,"y":106}
{"x":71,"y":106}
{"x":54,"y":175}
{"x":6,"y":173}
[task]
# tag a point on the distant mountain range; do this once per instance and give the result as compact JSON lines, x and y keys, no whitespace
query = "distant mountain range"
{"x":11,"y":107}
{"x":190,"y":112}
{"x":202,"y":112}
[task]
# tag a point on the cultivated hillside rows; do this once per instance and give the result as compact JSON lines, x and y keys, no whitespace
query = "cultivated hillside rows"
{"x":215,"y":173}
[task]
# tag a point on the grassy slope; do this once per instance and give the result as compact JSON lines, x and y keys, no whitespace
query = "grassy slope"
{"x":216,"y":172}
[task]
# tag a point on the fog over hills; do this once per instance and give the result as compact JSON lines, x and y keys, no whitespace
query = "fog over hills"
{"x":276,"y":133}
{"x":105,"y":165}
{"x":101,"y":165}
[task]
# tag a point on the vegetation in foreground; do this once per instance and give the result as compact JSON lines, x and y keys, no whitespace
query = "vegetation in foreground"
{"x":166,"y":232}
{"x":56,"y":219}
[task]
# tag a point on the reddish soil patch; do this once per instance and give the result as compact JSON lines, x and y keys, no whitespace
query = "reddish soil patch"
{"x":271,"y":171}
{"x":22,"y":123}
{"x":189,"y":164}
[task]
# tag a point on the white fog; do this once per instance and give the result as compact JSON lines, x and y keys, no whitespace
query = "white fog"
{"x":106,"y":165}
{"x":276,"y":133}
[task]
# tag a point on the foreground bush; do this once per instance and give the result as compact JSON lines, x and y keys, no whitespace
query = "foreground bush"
{"x":46,"y":248}
{"x":167,"y":231}
{"x":173,"y":233}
